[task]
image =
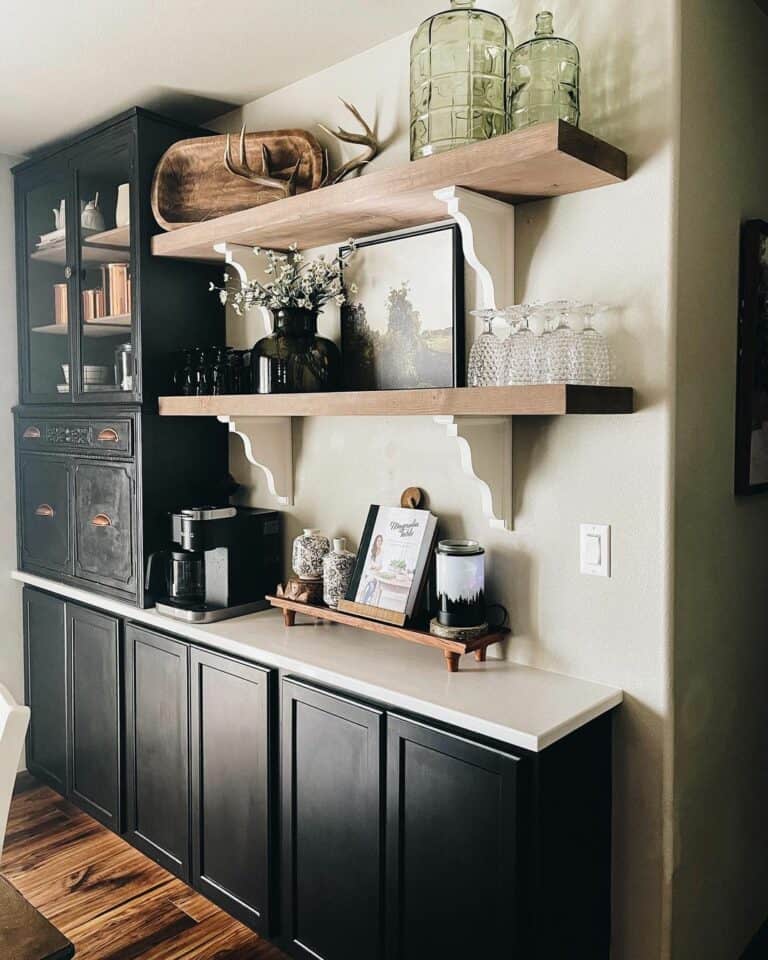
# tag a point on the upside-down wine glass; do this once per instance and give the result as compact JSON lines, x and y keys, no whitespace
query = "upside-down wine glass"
{"x":519,"y":349}
{"x":560,"y":343}
{"x":484,"y":363}
{"x":599,"y":365}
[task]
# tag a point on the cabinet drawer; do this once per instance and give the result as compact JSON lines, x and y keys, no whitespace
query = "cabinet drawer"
{"x":104,"y":524}
{"x":44,"y":508}
{"x":101,"y":437}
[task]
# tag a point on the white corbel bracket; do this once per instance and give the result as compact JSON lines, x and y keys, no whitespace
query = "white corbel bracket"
{"x":243,"y":261}
{"x":268,"y":444}
{"x":485,"y":451}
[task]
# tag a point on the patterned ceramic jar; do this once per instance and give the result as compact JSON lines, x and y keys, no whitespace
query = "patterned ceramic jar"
{"x":308,"y":552}
{"x":337,"y":572}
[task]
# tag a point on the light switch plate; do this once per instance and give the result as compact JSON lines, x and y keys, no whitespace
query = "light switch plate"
{"x":595,"y":549}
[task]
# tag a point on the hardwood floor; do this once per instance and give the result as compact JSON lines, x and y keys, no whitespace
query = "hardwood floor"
{"x":110,"y":900}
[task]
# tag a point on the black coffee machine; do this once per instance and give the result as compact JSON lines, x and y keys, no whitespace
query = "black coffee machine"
{"x":222,"y":563}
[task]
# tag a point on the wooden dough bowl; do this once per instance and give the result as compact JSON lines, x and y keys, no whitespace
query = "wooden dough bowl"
{"x":192,"y":184}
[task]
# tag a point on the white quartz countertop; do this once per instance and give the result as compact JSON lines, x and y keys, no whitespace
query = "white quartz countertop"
{"x":522,"y":706}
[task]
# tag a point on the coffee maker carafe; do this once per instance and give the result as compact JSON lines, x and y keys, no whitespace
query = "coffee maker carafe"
{"x":223,"y":562}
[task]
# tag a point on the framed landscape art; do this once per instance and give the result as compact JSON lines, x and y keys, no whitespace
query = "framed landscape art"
{"x":403,"y":328}
{"x":752,"y":382}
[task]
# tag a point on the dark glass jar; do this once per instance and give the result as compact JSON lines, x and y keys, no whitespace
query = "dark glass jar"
{"x":184,"y":374}
{"x":219,"y":379}
{"x":238,"y":379}
{"x":294,"y":359}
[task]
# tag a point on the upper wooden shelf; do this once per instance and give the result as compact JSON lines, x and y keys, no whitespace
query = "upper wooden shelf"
{"x":546,"y":160}
{"x":534,"y":400}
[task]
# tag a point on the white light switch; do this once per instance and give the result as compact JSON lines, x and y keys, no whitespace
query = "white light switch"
{"x":595,"y":549}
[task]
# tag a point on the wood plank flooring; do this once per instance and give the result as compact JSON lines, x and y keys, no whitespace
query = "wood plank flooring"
{"x":110,"y":900}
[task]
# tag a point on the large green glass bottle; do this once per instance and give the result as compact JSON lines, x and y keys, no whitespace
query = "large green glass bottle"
{"x":544,"y":79}
{"x":459,"y":79}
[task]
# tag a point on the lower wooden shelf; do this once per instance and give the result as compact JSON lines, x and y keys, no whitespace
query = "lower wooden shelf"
{"x":452,"y":649}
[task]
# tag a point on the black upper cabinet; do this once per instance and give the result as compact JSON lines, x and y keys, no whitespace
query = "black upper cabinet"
{"x":88,"y":286}
{"x":332,"y":820}
{"x":452,"y":821}
{"x":94,"y":713}
{"x":157,"y":748}
{"x":45,"y":670}
{"x":230,"y":720}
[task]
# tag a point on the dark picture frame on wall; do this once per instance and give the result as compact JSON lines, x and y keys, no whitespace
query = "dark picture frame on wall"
{"x":403,"y":325}
{"x":752,"y":378}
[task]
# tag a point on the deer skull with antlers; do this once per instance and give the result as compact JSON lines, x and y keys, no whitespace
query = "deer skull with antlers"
{"x":266,"y":178}
{"x":367,"y":138}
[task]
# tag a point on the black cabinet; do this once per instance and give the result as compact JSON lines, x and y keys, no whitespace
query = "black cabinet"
{"x":105,"y":534}
{"x":45,"y":662}
{"x":94,"y":713}
{"x":230,"y":714}
{"x":88,"y":284}
{"x":452,"y":870}
{"x":45,"y":536}
{"x":332,"y":820}
{"x":157,"y":748}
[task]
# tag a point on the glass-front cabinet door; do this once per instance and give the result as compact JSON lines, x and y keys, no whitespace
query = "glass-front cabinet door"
{"x":104,"y":340}
{"x":46,"y":269}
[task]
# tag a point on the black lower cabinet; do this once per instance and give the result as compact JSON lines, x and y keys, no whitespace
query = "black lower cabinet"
{"x":45,"y":657}
{"x":230,"y":746}
{"x":94,"y":721}
{"x":452,"y":808}
{"x":332,"y":822}
{"x":157,"y":748}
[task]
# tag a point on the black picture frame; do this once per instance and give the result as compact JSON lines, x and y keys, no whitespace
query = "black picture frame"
{"x":751,"y":468}
{"x":352,"y":378}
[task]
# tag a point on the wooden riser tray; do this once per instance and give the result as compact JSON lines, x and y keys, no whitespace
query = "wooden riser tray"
{"x":452,"y":649}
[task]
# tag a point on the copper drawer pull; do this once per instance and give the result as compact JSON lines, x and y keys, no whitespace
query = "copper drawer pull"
{"x":45,"y":510}
{"x":108,"y":435}
{"x":32,"y":433}
{"x":101,"y":520}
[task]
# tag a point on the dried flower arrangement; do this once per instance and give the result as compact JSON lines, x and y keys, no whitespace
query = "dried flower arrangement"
{"x":295,"y":282}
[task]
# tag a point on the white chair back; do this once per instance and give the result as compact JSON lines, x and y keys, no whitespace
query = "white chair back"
{"x":14,"y":720}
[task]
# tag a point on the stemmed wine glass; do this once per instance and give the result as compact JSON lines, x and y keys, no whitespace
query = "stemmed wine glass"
{"x":519,"y":349}
{"x":485,"y":356}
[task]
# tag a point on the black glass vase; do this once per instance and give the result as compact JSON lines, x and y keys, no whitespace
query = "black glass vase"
{"x":294,"y":359}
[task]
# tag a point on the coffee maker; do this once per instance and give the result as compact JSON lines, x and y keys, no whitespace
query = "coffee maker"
{"x":222,"y":563}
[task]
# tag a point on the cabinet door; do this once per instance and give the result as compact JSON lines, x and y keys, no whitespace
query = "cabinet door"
{"x":104,"y":524}
{"x":93,"y":646}
{"x":230,"y":764}
{"x":45,"y":263}
{"x":45,"y":659}
{"x":451,"y":846}
{"x":44,"y":508}
{"x":157,"y":748}
{"x":331,"y":786}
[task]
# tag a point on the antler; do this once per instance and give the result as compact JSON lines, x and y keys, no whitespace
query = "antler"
{"x":267,"y":177}
{"x":368,"y":138}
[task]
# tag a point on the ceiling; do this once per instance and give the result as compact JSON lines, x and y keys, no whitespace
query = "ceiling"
{"x":64,"y":66}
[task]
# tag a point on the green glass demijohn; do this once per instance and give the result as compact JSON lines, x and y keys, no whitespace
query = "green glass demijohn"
{"x":459,"y":79}
{"x":544,"y":78}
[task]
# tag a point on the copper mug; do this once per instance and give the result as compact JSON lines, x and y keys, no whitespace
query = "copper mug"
{"x":117,"y":283}
{"x":60,"y":312}
{"x":93,"y":305}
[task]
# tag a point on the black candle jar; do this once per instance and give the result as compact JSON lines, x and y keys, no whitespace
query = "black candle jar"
{"x":460,"y":583}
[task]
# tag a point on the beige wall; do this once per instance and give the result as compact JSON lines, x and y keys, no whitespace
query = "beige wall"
{"x":614,"y":245}
{"x":721,"y":616}
{"x":11,"y":672}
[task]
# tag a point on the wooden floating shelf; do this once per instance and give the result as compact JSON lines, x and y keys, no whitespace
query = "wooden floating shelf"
{"x":546,"y":160}
{"x":452,"y":649}
{"x":535,"y":400}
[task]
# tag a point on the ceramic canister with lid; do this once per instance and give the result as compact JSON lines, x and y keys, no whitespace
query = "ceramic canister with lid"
{"x":460,"y":583}
{"x":338,"y":566}
{"x":309,"y":548}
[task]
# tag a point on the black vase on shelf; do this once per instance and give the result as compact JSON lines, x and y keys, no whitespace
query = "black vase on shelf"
{"x":294,"y":358}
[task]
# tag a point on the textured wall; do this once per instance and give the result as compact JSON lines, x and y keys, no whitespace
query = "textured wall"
{"x":614,"y":245}
{"x":721,"y":617}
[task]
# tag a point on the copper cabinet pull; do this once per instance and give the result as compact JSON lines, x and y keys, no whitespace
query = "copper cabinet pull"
{"x":45,"y":510}
{"x":32,"y":433}
{"x":108,"y":435}
{"x":101,"y":520}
